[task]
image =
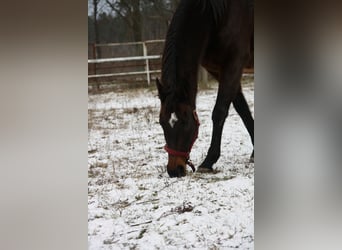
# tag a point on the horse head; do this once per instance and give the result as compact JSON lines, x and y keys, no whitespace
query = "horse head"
{"x":180,"y":125}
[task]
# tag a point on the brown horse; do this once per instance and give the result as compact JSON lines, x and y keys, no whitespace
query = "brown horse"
{"x":217,"y":34}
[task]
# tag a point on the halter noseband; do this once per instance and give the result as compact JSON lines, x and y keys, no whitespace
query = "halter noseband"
{"x":187,"y":153}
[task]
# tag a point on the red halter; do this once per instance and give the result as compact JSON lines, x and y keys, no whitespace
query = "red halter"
{"x":187,"y":153}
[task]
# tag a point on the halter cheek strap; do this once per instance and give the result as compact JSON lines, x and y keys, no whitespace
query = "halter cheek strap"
{"x":187,"y":153}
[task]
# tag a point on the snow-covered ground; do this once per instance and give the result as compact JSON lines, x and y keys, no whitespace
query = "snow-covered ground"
{"x":132,"y":202}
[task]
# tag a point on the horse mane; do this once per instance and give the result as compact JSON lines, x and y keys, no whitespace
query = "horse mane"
{"x":169,"y":59}
{"x":213,"y":11}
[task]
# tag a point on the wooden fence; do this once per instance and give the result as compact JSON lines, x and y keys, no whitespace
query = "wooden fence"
{"x":124,"y":62}
{"x":129,"y":62}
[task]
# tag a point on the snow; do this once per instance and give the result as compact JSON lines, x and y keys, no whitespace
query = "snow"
{"x":133,"y":203}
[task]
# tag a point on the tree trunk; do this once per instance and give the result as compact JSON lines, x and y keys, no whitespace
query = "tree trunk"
{"x":136,"y":21}
{"x":97,"y":38}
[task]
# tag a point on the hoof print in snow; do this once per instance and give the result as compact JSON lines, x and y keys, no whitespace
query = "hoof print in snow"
{"x":208,"y":171}
{"x":205,"y":170}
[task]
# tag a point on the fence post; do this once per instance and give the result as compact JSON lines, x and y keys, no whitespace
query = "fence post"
{"x":94,"y":56}
{"x":147,"y":67}
{"x":97,"y":85}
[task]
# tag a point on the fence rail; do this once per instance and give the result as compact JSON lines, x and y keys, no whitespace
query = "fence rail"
{"x":95,"y":63}
{"x":148,"y":72}
{"x":112,"y":67}
{"x":122,"y":59}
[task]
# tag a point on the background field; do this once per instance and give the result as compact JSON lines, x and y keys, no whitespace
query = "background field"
{"x":134,"y":204}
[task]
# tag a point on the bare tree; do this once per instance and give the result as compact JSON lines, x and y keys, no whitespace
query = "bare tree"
{"x":130,"y":11}
{"x":129,"y":20}
{"x":95,"y":8}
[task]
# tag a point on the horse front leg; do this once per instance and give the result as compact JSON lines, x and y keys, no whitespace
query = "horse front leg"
{"x":229,"y":86}
{"x":219,"y":116}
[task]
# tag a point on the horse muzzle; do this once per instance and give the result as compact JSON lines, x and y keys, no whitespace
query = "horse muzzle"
{"x":176,"y":166}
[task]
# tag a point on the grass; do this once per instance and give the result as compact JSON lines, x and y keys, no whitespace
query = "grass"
{"x":107,"y":179}
{"x":141,"y":234}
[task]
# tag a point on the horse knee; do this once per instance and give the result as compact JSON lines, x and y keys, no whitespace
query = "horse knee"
{"x":219,"y":114}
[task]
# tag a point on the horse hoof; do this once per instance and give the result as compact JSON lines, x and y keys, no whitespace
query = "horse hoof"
{"x":251,"y":159}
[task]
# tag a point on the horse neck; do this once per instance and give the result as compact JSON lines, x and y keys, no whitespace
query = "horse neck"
{"x":185,"y":44}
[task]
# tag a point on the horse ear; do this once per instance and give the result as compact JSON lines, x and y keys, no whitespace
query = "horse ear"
{"x":160,"y":89}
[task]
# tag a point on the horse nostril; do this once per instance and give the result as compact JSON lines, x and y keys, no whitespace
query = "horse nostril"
{"x":171,"y":173}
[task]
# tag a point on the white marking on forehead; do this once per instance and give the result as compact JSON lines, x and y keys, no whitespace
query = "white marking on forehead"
{"x":173,"y":119}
